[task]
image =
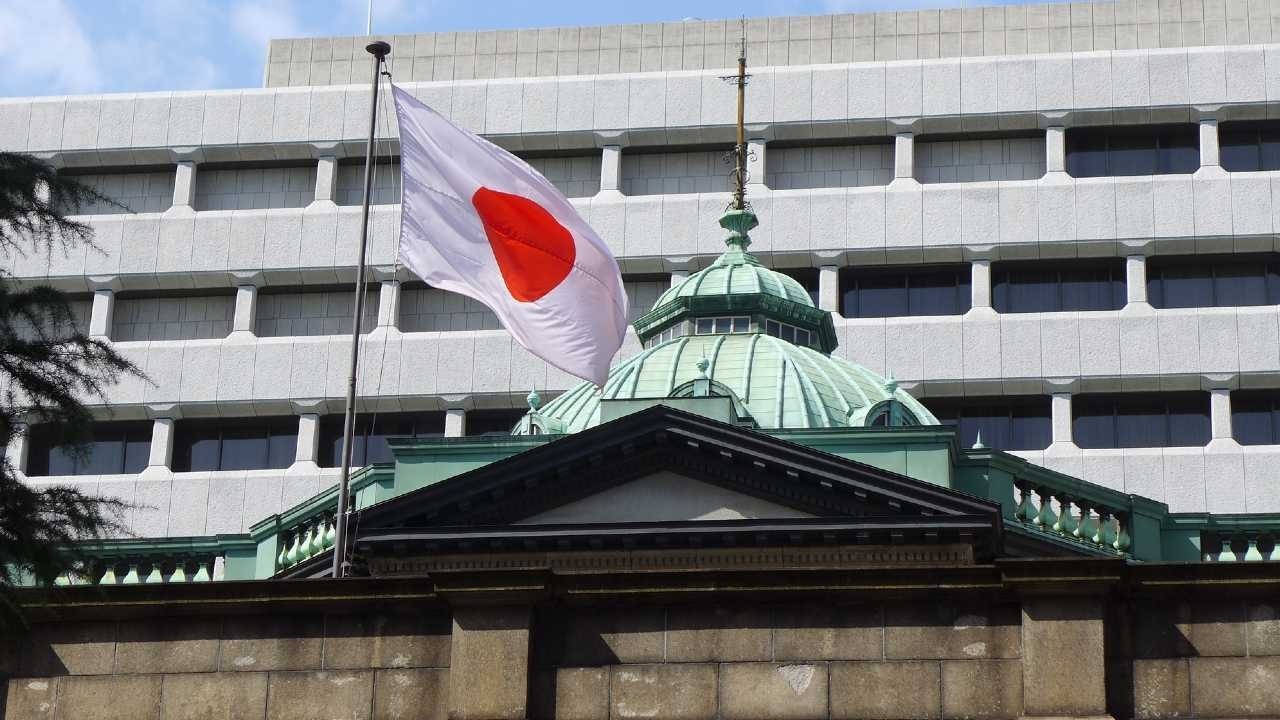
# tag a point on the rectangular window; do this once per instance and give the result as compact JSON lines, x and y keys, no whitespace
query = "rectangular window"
{"x":1141,"y":420}
{"x":1136,"y":150}
{"x":1249,"y":146}
{"x":1058,"y":287}
{"x":114,"y":448}
{"x":235,"y":444}
{"x":1255,"y":417}
{"x":369,"y":441}
{"x":1012,"y":423}
{"x":902,"y":292}
{"x":492,"y":422}
{"x":1208,"y":281}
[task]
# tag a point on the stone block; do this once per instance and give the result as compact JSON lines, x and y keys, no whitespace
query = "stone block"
{"x":982,"y":688}
{"x":718,"y":634}
{"x":30,"y":698}
{"x":932,"y":630}
{"x":677,"y":692}
{"x":572,"y":694}
{"x":1161,"y":689}
{"x":1048,"y":626}
{"x":608,"y":636}
{"x":226,"y":696}
{"x":271,"y":643}
{"x":78,"y":648}
{"x":313,"y":694}
{"x":885,"y":690}
{"x":417,"y":694}
{"x":109,"y":697}
{"x":489,"y":663}
{"x":1217,"y":628}
{"x":180,"y":646}
{"x":1263,"y":629}
{"x":840,"y":632}
{"x":398,"y":640}
{"x":773,"y":691}
{"x":1235,"y":687}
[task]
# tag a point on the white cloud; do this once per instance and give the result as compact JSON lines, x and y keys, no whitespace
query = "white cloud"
{"x":260,"y":21}
{"x":44,"y":48}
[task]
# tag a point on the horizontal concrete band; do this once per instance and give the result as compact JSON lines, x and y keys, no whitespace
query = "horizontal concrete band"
{"x":658,"y":107}
{"x":1055,"y":216}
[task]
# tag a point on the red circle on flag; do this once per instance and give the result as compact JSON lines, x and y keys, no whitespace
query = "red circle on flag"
{"x":533,"y":250}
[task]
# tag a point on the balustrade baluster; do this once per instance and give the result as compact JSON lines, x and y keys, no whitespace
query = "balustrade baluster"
{"x":1123,"y":540}
{"x":1025,"y":511}
{"x":179,"y":574}
{"x":109,"y":576}
{"x":1251,"y":552}
{"x":202,"y":571}
{"x":1066,"y":524}
{"x":1046,"y":517}
{"x":1103,"y":536}
{"x":330,"y":531}
{"x":284,"y":550}
{"x":1084,"y":527}
{"x":154,"y":577}
{"x":1227,"y":554}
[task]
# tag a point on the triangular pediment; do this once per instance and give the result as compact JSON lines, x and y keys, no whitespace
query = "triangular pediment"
{"x":663,"y":496}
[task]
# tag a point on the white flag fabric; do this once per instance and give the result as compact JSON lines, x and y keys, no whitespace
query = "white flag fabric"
{"x":479,"y":221}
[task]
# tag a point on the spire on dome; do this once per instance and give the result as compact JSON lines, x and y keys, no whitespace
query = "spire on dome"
{"x":738,"y":219}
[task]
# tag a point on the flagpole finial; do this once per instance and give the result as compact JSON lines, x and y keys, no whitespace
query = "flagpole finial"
{"x":378,"y":49}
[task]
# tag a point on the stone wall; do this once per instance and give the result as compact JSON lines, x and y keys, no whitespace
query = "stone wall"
{"x":916,"y":659}
{"x":1209,"y":657}
{"x":389,"y":664}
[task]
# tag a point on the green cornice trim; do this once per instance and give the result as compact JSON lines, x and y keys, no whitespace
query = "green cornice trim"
{"x":764,"y":304}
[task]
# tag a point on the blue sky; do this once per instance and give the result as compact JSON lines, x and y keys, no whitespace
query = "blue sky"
{"x":55,"y":47}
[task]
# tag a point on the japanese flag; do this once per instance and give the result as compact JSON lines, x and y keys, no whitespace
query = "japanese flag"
{"x":480,"y":222}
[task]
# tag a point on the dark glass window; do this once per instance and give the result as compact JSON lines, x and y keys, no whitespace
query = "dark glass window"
{"x":492,"y":422}
{"x":1012,"y":423}
{"x":369,"y":441}
{"x":113,"y":448}
{"x":1255,"y":417}
{"x":1249,"y":146}
{"x":235,"y":444}
{"x":1207,"y":281}
{"x":1138,"y":150}
{"x":1141,"y":420}
{"x":1058,"y":286}
{"x":807,"y":277}
{"x":900,"y":292}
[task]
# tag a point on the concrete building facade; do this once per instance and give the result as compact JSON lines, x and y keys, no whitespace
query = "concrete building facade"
{"x":1101,"y":182}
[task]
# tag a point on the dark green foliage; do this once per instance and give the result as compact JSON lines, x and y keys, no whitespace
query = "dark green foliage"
{"x":49,"y":367}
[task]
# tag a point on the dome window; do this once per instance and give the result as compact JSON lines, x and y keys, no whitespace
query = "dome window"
{"x":891,"y":413}
{"x":670,"y":333}
{"x":789,"y":333}
{"x":722,"y":325}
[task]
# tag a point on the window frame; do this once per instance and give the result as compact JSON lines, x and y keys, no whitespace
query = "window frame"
{"x":42,"y":445}
{"x":331,"y":447}
{"x":850,"y":283}
{"x":1117,"y":277}
{"x":1115,"y":400}
{"x":184,"y":441}
{"x":1010,"y":405}
{"x":1109,"y":135}
{"x":1258,"y":129}
{"x":1157,"y":265}
{"x":1271,"y":396}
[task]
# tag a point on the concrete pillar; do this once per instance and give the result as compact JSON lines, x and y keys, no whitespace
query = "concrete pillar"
{"x":326,"y":178}
{"x":904,"y":156}
{"x":389,"y":304}
{"x":1209,"y":154}
{"x":246,"y":312}
{"x":184,"y":184}
{"x":1055,"y":149}
{"x":18,"y":447}
{"x":308,"y":438}
{"x":1135,"y":279}
{"x":1063,"y":684}
{"x":611,"y":168}
{"x":162,"y":430}
{"x":756,"y":167}
{"x":489,"y":663}
{"x":1220,"y":413}
{"x":1060,"y":417}
{"x":455,"y":422}
{"x":104,"y":308}
{"x":829,"y":288}
{"x":980,"y":283}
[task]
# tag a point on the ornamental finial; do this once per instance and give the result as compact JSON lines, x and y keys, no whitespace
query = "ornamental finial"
{"x":703,"y":364}
{"x":977,"y":442}
{"x":739,"y":220}
{"x":891,"y":385}
{"x":534,"y":400}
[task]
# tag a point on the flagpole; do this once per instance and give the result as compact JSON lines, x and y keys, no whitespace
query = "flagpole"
{"x":379,"y":50}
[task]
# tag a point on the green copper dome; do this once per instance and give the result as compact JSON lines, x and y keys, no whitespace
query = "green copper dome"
{"x":740,"y":330}
{"x":780,"y":384}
